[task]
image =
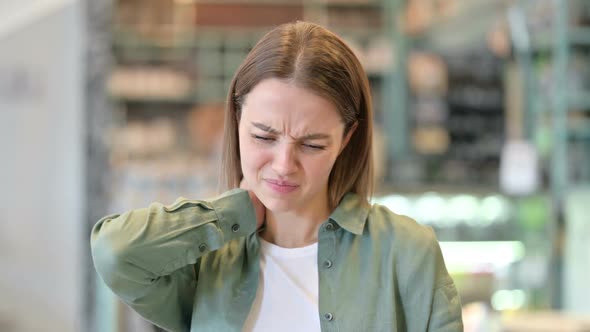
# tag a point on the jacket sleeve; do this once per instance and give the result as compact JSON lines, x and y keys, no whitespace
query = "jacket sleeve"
{"x":446,"y":309}
{"x":431,"y":300}
{"x":148,"y":257}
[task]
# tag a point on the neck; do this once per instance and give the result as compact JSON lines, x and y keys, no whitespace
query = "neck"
{"x":295,"y":229}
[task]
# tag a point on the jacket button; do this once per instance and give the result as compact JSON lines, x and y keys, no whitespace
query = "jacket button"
{"x":235,"y":228}
{"x":327,"y":263}
{"x":328,"y":316}
{"x":330,"y":226}
{"x":202,"y":247}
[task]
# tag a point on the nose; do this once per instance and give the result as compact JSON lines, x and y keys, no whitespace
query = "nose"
{"x":285,"y":160}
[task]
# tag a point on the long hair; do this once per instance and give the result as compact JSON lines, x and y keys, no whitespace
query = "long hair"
{"x":314,"y":58}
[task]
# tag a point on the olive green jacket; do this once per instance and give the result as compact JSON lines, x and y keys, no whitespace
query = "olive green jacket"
{"x":194,"y":265}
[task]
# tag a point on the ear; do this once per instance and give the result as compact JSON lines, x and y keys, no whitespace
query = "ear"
{"x":348,"y":136}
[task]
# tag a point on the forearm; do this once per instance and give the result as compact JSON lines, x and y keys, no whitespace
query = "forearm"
{"x":133,"y":250}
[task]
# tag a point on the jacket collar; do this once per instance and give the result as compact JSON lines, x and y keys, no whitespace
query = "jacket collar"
{"x":351,"y":214}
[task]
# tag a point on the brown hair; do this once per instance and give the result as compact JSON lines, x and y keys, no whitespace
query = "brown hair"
{"x":314,"y":58}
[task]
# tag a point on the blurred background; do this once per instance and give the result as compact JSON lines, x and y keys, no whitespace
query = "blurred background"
{"x":482,"y":118}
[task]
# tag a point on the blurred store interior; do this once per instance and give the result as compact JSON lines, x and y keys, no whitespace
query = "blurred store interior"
{"x":482,"y":118}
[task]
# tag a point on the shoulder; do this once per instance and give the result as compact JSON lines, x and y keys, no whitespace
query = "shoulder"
{"x":415,"y":246}
{"x":400,"y":229}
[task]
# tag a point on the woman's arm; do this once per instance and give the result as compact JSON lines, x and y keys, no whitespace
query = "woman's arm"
{"x":431,"y":301}
{"x":147,"y":256}
{"x":445,"y":310}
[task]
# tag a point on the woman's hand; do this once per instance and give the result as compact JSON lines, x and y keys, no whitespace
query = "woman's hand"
{"x":258,"y":206}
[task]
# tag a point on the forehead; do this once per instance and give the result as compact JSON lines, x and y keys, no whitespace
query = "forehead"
{"x":276,"y":102}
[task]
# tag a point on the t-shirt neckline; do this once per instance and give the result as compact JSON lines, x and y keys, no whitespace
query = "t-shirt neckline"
{"x":274,"y":250}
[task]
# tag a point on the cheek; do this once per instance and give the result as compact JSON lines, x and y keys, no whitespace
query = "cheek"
{"x":320,"y":168}
{"x":252,"y":157}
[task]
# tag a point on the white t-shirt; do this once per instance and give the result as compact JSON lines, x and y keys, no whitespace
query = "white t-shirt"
{"x":287,"y":296}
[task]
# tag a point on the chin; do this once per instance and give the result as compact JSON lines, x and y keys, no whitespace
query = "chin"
{"x":278,"y":204}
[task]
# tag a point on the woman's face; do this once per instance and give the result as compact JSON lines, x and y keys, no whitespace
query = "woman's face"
{"x":289,"y":141}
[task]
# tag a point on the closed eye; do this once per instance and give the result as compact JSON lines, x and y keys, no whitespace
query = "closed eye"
{"x":315,"y":147}
{"x":263,"y":138}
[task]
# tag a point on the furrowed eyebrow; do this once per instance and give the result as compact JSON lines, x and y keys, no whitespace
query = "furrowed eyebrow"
{"x":265,"y":128}
{"x":315,"y":136}
{"x":273,"y":131}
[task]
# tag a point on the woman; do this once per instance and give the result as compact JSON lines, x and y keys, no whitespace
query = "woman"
{"x":300,"y":249}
